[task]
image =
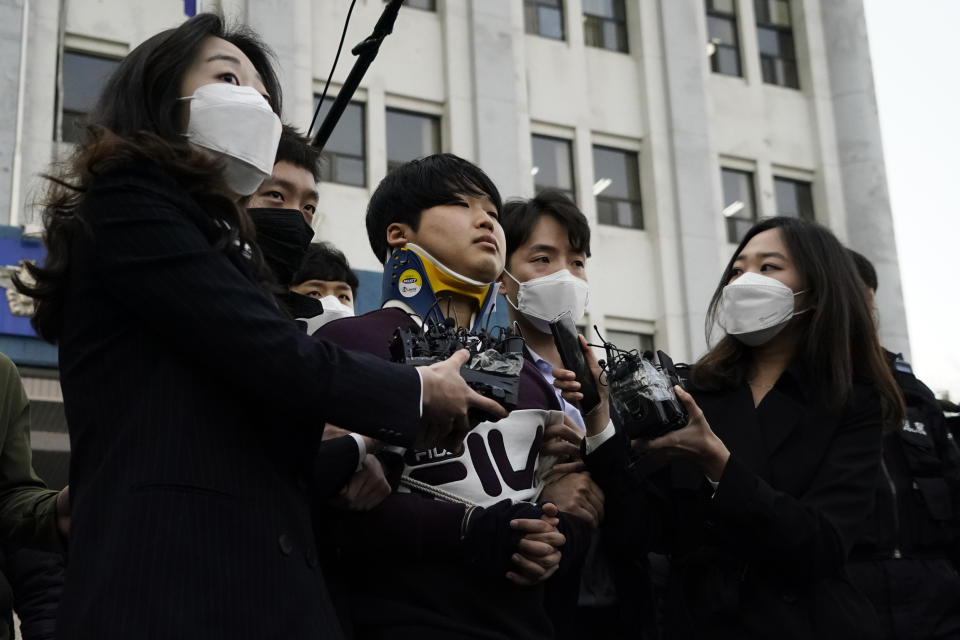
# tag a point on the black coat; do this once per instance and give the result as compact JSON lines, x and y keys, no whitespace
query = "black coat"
{"x":918,"y":498}
{"x":194,"y":411}
{"x":763,"y":557}
{"x":31,"y":583}
{"x":907,"y":561}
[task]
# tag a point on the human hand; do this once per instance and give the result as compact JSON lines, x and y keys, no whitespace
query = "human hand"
{"x":695,"y":441}
{"x":447,"y":401}
{"x":538,"y":552}
{"x":562,"y":439}
{"x":63,"y":511}
{"x":563,"y":468}
{"x":331,"y":431}
{"x":367,"y":487}
{"x":565,"y":380}
{"x":578,"y":495}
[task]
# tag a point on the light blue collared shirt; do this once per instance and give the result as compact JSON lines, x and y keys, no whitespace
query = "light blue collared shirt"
{"x":546,"y":370}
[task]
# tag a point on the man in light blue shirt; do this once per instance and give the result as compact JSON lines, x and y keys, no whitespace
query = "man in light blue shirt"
{"x":548,"y":243}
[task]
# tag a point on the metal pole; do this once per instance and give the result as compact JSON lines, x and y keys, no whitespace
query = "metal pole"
{"x":366,"y":51}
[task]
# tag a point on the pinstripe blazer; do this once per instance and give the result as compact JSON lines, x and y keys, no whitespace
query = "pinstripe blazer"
{"x":194,"y":410}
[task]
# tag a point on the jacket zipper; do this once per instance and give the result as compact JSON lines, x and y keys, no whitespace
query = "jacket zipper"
{"x":896,"y":512}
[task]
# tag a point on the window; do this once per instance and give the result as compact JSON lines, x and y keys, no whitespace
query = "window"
{"x":409,"y":136}
{"x":794,"y":198}
{"x":344,"y":160}
{"x":628,"y":340}
{"x":738,"y":205}
{"x":617,"y":187}
{"x":778,"y":59}
{"x":84,"y":77}
{"x":553,"y":165}
{"x":605,"y":24}
{"x":543,"y":18}
{"x":724,"y":45}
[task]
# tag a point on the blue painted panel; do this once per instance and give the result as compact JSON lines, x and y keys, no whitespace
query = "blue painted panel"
{"x":368,"y":293}
{"x":13,"y":249}
{"x":31,"y":352}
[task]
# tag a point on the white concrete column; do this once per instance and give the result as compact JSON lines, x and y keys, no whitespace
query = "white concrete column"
{"x":376,"y":126}
{"x":749,"y":51}
{"x":860,"y":151}
{"x":458,"y":76}
{"x":499,"y":92}
{"x":692,"y":164}
{"x":39,"y":116}
{"x":285,"y":26}
{"x":10,"y":44}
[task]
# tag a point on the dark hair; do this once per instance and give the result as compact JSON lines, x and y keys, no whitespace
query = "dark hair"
{"x":418,"y":185}
{"x":838,"y":338}
{"x":865,"y":268}
{"x":296,"y":149}
{"x":139,"y":118}
{"x":519,"y":217}
{"x":325,"y":262}
{"x":143,"y":92}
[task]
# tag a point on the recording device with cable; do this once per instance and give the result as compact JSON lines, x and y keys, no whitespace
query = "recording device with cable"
{"x":496,"y":356}
{"x":566,"y":338}
{"x":641,"y":391}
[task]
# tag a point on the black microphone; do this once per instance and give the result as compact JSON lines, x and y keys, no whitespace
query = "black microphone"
{"x":382,"y":29}
{"x":366,"y":51}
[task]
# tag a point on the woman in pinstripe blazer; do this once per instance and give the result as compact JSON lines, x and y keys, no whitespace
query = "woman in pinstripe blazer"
{"x":194,"y":406}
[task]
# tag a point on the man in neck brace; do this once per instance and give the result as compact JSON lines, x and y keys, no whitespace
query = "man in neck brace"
{"x":461,"y":548}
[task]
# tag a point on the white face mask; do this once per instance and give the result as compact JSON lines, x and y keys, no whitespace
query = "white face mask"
{"x":333,"y":309}
{"x":541,"y":300}
{"x":238,"y":123}
{"x":754,"y":308}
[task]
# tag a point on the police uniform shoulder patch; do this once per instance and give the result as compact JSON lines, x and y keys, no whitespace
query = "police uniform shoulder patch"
{"x":902,"y":366}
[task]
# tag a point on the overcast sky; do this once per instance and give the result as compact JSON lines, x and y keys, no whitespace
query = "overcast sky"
{"x":914,"y":51}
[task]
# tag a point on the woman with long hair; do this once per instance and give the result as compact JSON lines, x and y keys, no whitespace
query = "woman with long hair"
{"x":758,"y":499}
{"x":194,"y":407}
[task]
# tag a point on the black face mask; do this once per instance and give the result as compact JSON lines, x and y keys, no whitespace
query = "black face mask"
{"x":283,"y":236}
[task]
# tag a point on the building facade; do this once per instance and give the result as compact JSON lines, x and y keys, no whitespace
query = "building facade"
{"x":674,"y":124}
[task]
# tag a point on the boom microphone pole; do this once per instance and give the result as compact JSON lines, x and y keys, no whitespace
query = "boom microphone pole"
{"x":366,"y":51}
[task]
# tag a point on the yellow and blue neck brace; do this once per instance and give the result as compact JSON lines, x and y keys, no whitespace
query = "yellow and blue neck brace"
{"x":415,"y":278}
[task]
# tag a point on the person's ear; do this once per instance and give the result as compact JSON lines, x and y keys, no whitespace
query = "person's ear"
{"x":500,"y":289}
{"x":398,"y":234}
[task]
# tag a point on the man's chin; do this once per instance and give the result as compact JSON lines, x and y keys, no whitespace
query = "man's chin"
{"x":485,"y":273}
{"x":476,"y":267}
